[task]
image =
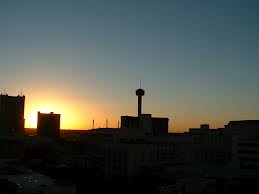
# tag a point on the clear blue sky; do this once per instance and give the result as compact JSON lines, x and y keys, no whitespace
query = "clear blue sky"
{"x":198,"y":60}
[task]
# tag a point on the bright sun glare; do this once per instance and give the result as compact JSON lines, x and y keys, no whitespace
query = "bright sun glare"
{"x":32,"y":119}
{"x":70,"y":118}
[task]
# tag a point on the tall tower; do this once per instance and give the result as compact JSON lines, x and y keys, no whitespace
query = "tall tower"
{"x":140,"y":92}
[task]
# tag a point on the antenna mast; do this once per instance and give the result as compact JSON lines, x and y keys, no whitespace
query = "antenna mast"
{"x":106,"y":123}
{"x":21,"y":93}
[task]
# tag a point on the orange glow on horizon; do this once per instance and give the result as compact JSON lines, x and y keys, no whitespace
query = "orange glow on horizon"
{"x":78,"y":113}
{"x":70,"y":117}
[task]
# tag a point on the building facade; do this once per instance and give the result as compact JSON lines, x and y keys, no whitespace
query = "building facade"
{"x":48,"y":125}
{"x":151,"y":125}
{"x":11,"y":114}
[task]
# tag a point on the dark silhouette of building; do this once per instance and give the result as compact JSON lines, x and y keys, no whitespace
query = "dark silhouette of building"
{"x":48,"y":125}
{"x":244,"y":139}
{"x":152,"y":126}
{"x":130,"y":122}
{"x":159,"y":126}
{"x":11,"y":114}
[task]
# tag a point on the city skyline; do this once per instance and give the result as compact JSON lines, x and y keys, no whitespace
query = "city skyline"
{"x":198,"y":60}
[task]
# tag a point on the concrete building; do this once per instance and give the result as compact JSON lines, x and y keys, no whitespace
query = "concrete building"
{"x":124,"y":152}
{"x":248,"y":154}
{"x":11,"y":114}
{"x":244,"y":144}
{"x":128,"y":158}
{"x":48,"y":125}
{"x":210,"y":145}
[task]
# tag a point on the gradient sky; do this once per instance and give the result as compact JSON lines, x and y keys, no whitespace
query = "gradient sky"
{"x":198,"y":60}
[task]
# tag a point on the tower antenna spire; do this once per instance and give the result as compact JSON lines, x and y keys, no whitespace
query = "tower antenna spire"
{"x":140,"y":82}
{"x":107,"y":123}
{"x":21,"y":93}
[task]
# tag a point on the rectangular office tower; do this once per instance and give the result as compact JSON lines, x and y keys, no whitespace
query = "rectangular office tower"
{"x":11,"y":114}
{"x":48,"y":125}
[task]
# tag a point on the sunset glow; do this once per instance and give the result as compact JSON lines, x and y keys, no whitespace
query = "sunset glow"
{"x":70,"y":118}
{"x":129,"y":96}
{"x":84,"y":60}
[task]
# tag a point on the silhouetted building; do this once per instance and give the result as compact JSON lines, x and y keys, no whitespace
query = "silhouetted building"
{"x":48,"y":125}
{"x":245,"y":143}
{"x":159,"y":126}
{"x":130,"y":122}
{"x":150,"y":125}
{"x":209,"y":145}
{"x":11,"y":114}
{"x":147,"y":123}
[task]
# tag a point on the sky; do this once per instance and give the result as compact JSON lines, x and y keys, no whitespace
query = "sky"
{"x":198,"y":60}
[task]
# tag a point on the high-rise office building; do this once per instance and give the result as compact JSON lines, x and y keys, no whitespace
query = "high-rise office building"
{"x":11,"y":114}
{"x":48,"y":125}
